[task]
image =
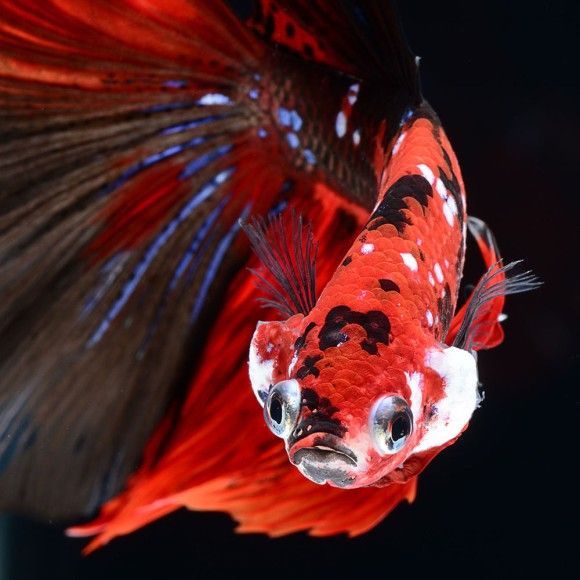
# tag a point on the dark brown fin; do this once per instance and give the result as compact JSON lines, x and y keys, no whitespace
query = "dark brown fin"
{"x":129,"y":151}
{"x":286,"y":247}
{"x":497,"y":282}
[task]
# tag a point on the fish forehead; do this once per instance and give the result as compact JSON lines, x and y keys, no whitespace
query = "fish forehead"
{"x":350,"y":376}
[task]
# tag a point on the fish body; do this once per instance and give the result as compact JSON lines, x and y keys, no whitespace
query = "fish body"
{"x":140,"y":141}
{"x":377,"y":330}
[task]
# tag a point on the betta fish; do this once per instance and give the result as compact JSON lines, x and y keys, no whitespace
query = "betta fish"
{"x":159,"y":155}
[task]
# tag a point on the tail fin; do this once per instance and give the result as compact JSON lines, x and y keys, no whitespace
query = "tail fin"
{"x":132,"y":146}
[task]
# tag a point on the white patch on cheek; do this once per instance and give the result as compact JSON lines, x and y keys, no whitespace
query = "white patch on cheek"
{"x":458,"y":369}
{"x":367,"y":248}
{"x":261,"y":372}
{"x":414,"y":381}
{"x":410,"y":261}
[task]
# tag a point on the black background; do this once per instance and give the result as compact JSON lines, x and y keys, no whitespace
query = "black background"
{"x":500,"y":503}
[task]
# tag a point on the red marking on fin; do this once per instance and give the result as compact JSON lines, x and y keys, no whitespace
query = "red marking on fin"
{"x":204,"y":468}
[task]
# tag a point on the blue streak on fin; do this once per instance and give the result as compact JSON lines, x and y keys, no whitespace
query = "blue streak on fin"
{"x":203,"y":160}
{"x":215,"y":263}
{"x":139,"y":271}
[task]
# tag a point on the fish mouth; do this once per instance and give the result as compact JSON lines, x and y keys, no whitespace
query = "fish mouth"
{"x":323,"y":459}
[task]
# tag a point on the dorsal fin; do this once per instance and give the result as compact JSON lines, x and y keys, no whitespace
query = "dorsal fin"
{"x":286,"y":247}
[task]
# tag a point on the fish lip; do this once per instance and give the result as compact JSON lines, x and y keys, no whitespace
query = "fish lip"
{"x":321,"y":449}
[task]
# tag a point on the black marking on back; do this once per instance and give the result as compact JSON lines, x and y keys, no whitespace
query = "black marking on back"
{"x":347,"y":261}
{"x":375,"y":323}
{"x":308,"y":367}
{"x":389,"y":285}
{"x":391,"y":209}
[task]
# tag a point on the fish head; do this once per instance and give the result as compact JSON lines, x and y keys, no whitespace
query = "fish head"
{"x":353,"y":418}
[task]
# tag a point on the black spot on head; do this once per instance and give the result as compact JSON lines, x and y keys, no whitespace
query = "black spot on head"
{"x":347,"y":261}
{"x":389,"y":285}
{"x":308,"y":367}
{"x":330,"y":334}
{"x":375,"y":323}
{"x":391,"y":209}
{"x":301,"y":340}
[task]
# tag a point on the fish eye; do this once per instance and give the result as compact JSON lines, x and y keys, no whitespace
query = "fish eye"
{"x":282,"y":407}
{"x":391,"y":423}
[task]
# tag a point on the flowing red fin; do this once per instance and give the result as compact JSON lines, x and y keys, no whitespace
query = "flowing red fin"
{"x":477,"y":325}
{"x":286,"y":247}
{"x":130,"y":150}
{"x":203,"y":466}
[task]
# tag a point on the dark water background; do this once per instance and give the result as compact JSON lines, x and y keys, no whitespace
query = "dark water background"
{"x":502,"y":502}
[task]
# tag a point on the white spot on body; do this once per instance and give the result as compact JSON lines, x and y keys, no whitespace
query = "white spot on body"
{"x":447,"y":213}
{"x":419,"y":242}
{"x":353,"y":93}
{"x":295,"y":120}
{"x":458,"y":369}
{"x":309,"y":156}
{"x":367,"y":248}
{"x":431,"y":279}
{"x":501,"y":317}
{"x":398,"y":143}
{"x":438,"y":272}
{"x":293,"y":140}
{"x":440,"y":187}
{"x":340,"y":125}
{"x":446,"y":262}
{"x":429,"y":317}
{"x":452,"y":205}
{"x":426,"y":173}
{"x":410,"y":261}
{"x":356,"y":137}
{"x":214,"y":99}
